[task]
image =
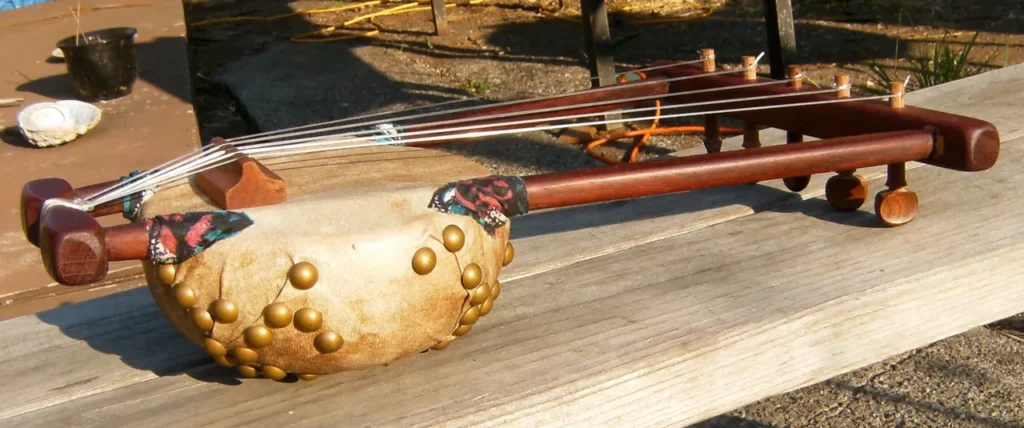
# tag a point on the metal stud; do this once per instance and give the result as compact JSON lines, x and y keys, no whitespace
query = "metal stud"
{"x":308,"y":320}
{"x":328,"y":342}
{"x":480,"y":294}
{"x":495,"y":290}
{"x":244,"y":355}
{"x":184,"y":295}
{"x":462,"y":330}
{"x":214,"y":348}
{"x":472,"y":276}
{"x":471,"y":316}
{"x":258,"y":336}
{"x":247,"y":371}
{"x":224,"y":311}
{"x":424,"y":260}
{"x":510,"y":253}
{"x":272,"y":372}
{"x":201,"y":318}
{"x":441,"y":346}
{"x":166,"y":273}
{"x":487,"y":306}
{"x":454,"y":238}
{"x":303,"y":275}
{"x":308,"y":376}
{"x":277,"y":315}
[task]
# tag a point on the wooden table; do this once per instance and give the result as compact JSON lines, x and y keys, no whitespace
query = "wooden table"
{"x":153,"y":124}
{"x":665,"y":310}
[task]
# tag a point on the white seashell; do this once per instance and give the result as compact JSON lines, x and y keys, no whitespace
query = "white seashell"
{"x":53,"y":124}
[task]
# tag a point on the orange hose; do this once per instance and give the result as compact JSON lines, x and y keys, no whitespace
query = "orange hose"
{"x":642,"y":136}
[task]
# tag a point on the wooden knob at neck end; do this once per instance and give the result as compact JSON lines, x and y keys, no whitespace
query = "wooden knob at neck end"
{"x":35,"y":193}
{"x":77,"y":250}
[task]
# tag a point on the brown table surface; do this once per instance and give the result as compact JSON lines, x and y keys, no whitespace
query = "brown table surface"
{"x":153,"y":124}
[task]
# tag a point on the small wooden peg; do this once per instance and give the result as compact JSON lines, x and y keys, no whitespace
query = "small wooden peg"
{"x":243,"y":183}
{"x":708,"y":55}
{"x":896,"y":90}
{"x":749,"y":72}
{"x":795,"y":73}
{"x":842,"y":83}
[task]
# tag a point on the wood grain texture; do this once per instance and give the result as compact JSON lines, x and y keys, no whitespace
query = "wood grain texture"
{"x":121,"y":342}
{"x":677,"y":174}
{"x":607,"y":341}
{"x":243,"y":183}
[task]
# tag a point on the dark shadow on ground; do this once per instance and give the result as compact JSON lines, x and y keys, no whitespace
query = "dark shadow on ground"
{"x":757,"y":197}
{"x":118,"y":323}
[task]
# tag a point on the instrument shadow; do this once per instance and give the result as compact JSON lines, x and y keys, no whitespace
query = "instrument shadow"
{"x":129,"y":327}
{"x":756,"y":197}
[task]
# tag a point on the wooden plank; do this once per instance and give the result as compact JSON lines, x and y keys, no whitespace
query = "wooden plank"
{"x":440,"y":18}
{"x":781,"y":36}
{"x":714,"y":319}
{"x":153,"y":124}
{"x":545,"y":241}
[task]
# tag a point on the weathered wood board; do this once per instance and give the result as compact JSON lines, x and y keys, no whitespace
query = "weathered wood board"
{"x":704,"y":321}
{"x":572,"y":338}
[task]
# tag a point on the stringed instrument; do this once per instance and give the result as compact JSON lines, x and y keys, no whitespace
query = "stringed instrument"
{"x":347,"y":245}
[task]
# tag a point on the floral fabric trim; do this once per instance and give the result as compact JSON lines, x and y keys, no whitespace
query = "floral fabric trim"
{"x":491,"y":201}
{"x":175,"y":238}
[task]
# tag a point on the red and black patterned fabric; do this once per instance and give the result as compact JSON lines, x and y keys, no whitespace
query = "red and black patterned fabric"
{"x":177,"y":237}
{"x":491,"y":201}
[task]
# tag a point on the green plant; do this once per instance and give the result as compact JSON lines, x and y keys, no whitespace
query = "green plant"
{"x":941,"y":65}
{"x":477,"y":87}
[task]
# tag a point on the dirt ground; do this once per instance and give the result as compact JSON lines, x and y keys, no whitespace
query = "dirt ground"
{"x":504,"y":49}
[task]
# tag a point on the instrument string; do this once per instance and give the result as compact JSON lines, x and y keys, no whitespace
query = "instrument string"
{"x":530,"y":112}
{"x":247,"y":138}
{"x":151,"y":180}
{"x":328,"y":145}
{"x":477,"y":134}
{"x":501,"y":104}
{"x":204,"y":164}
{"x":195,"y":155}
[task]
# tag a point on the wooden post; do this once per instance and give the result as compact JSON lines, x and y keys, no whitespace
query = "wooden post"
{"x":845,"y":191}
{"x":712,"y":126}
{"x":800,"y":183}
{"x":751,"y":135}
{"x":598,"y":44}
{"x":440,"y":19}
{"x":778,"y":18}
{"x":897,"y":205}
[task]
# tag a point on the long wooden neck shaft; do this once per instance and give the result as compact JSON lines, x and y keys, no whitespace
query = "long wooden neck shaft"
{"x":672,"y":175}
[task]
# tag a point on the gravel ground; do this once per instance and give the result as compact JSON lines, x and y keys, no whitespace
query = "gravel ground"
{"x":249,"y":77}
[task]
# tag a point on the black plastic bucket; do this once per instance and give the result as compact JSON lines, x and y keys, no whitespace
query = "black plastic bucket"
{"x":101,"y":64}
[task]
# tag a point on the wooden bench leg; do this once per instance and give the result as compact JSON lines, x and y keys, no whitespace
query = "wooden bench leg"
{"x":440,"y":19}
{"x":597,"y":40}
{"x":778,"y":18}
